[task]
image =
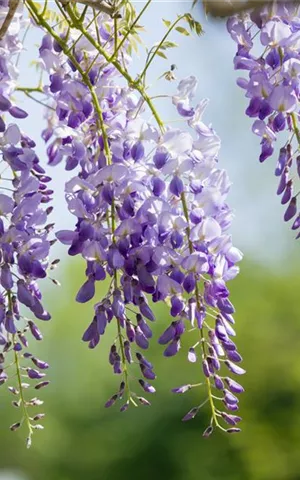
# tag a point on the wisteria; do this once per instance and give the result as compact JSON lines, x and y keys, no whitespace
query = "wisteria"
{"x":268,"y":49}
{"x":148,"y":199}
{"x":151,"y":215}
{"x":150,"y":208}
{"x":24,"y":241}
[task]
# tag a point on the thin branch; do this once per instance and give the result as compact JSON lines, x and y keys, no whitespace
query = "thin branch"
{"x":12,"y":8}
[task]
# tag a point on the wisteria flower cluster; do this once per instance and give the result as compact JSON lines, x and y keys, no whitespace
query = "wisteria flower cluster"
{"x":24,"y":241}
{"x":150,"y":207}
{"x":273,"y":89}
{"x":151,"y":213}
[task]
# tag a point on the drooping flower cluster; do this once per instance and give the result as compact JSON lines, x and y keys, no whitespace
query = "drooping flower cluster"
{"x":151,"y":215}
{"x":272,"y":87}
{"x":24,"y":243}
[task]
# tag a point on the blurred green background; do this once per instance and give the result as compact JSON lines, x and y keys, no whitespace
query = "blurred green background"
{"x":84,"y":440}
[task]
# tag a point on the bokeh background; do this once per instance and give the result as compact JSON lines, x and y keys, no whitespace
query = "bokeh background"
{"x":82,"y":439}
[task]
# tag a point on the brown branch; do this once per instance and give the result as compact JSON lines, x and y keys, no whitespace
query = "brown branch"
{"x":100,"y":5}
{"x":12,"y":7}
{"x":219,"y":8}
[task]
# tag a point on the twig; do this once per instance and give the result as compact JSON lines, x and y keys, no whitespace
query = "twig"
{"x":12,"y":7}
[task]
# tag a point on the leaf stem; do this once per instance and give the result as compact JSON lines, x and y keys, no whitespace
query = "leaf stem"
{"x":295,"y":126}
{"x":115,"y":34}
{"x":134,"y":23}
{"x":198,"y":301}
{"x":19,"y":379}
{"x":29,"y":89}
{"x":151,"y":58}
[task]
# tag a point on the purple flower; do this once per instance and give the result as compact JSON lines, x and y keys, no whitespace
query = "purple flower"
{"x":35,"y":331}
{"x":273,"y":87}
{"x":86,"y":292}
{"x":191,"y":414}
{"x":24,"y":227}
{"x":146,"y":386}
{"x":140,"y":338}
{"x":34,"y":374}
{"x":172,"y":348}
{"x":234,"y":386}
{"x":111,"y":401}
{"x":291,"y":210}
{"x":182,"y":389}
{"x":150,"y":210}
{"x":176,"y":186}
{"x":192,"y":357}
{"x":168,"y":335}
{"x":219,"y":384}
{"x":234,"y":368}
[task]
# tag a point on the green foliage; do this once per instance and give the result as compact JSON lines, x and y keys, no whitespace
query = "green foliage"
{"x":164,"y":44}
{"x":130,"y":29}
{"x":166,"y":22}
{"x":194,"y":25}
{"x":52,"y":16}
{"x":182,"y":30}
{"x":83,"y":440}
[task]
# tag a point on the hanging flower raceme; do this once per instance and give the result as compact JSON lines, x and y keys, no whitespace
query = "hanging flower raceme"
{"x":273,"y":89}
{"x":108,"y":188}
{"x":203,"y":258}
{"x":151,"y":215}
{"x":24,"y":243}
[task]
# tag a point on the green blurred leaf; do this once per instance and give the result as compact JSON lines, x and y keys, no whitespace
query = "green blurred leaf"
{"x":182,"y":30}
{"x":161,"y":54}
{"x":83,"y":440}
{"x":166,"y":22}
{"x":168,"y":44}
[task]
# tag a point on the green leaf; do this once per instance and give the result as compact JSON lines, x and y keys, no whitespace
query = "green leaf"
{"x":130,"y":13}
{"x":38,"y":6}
{"x":168,"y":44}
{"x":166,"y":22}
{"x":194,"y":25}
{"x":138,"y":39}
{"x":133,"y":44}
{"x":127,"y":16}
{"x":161,"y":54}
{"x":198,"y":27}
{"x":183,"y":31}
